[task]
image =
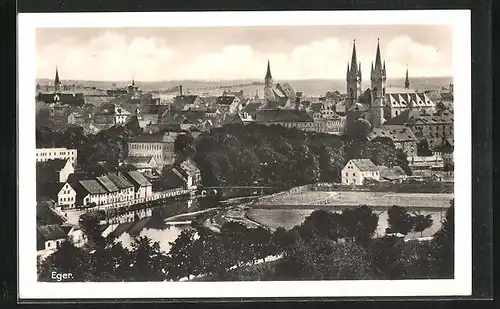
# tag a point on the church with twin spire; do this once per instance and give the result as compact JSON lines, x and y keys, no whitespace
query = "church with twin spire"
{"x":379,"y":103}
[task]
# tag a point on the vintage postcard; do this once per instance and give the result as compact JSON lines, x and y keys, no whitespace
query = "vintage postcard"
{"x":244,"y":154}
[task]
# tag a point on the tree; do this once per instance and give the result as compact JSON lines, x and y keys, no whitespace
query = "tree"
{"x":67,"y":259}
{"x":281,"y":239}
{"x":322,"y":223}
{"x":384,"y":253}
{"x":181,"y":258}
{"x":423,"y":148}
{"x":400,"y":221}
{"x":148,"y":261}
{"x":360,"y":224}
{"x":324,"y":259}
{"x":443,"y":245}
{"x":360,"y":128}
{"x":421,"y":222}
{"x":184,"y":147}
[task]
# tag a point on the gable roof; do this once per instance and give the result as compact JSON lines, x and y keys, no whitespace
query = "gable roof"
{"x":54,"y":165}
{"x":107,"y":183}
{"x":391,"y":173}
{"x":282,"y":115}
{"x":250,"y":108}
{"x":232,"y":119}
{"x":135,"y":159}
{"x":154,"y":137}
{"x":138,"y":179}
{"x":153,"y":109}
{"x":395,"y":133}
{"x":225,"y":100}
{"x":365,"y":165}
{"x":119,"y":180}
{"x":190,"y":167}
{"x":210,"y":100}
{"x":92,"y":186}
{"x":50,"y":232}
{"x":286,"y":89}
{"x":181,"y":101}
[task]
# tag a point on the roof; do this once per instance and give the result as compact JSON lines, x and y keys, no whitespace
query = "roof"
{"x":107,"y":109}
{"x":107,"y":183}
{"x":92,"y":186}
{"x":46,"y":215}
{"x":286,"y":89}
{"x":153,"y":109}
{"x":225,"y":100}
{"x":409,"y":99}
{"x":156,"y":137}
{"x":391,"y":173}
{"x":134,"y":159}
{"x":395,"y":133}
{"x":282,"y":115}
{"x":316,"y":107}
{"x":138,"y":179}
{"x":181,"y":101}
{"x":359,"y":107}
{"x":391,"y":90}
{"x":232,"y":119}
{"x":190,"y":167}
{"x":179,"y":117}
{"x":210,"y":100}
{"x":365,"y":165}
{"x":250,"y":108}
{"x":53,"y":165}
{"x":119,"y":180}
{"x":50,"y":232}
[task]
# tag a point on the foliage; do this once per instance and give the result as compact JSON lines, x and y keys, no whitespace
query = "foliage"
{"x":321,"y":258}
{"x":360,"y":224}
{"x":421,"y":222}
{"x":423,"y":148}
{"x":282,"y":157}
{"x":443,"y":242}
{"x":360,"y":128}
{"x":68,"y":259}
{"x":400,"y":221}
{"x":182,"y":258}
{"x":184,"y":147}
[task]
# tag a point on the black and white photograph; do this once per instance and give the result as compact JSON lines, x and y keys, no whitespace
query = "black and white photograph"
{"x":246,"y":150}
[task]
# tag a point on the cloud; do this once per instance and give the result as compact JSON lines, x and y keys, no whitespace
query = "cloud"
{"x":109,"y":56}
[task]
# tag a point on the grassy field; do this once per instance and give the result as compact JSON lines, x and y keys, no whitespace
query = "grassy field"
{"x":350,"y":198}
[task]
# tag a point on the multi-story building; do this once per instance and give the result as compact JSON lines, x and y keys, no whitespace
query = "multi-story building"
{"x":44,"y":154}
{"x":125,"y":188}
{"x":159,"y":145}
{"x":66,"y":196}
{"x":89,"y":192}
{"x":402,"y":137}
{"x":54,"y":171}
{"x":143,"y":188}
{"x":356,"y":171}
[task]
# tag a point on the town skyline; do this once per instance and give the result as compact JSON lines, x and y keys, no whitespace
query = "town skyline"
{"x":239,"y":53}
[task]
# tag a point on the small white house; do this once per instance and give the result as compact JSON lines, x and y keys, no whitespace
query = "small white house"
{"x":357,"y":170}
{"x":49,"y":238}
{"x":66,"y":196}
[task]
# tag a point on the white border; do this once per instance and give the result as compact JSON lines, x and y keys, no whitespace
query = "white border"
{"x":29,"y":288}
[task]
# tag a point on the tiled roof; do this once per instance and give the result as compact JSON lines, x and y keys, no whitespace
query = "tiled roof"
{"x":119,"y":180}
{"x":283,"y":115}
{"x":394,"y":172}
{"x":251,"y":108}
{"x":134,"y":159}
{"x":107,"y":183}
{"x":286,"y":89}
{"x":210,"y":100}
{"x":54,"y":165}
{"x":225,"y":100}
{"x":182,"y":100}
{"x":190,"y":167}
{"x":365,"y":165}
{"x":153,"y":109}
{"x":138,"y":178}
{"x":410,"y":99}
{"x":395,"y":133}
{"x":92,"y":186}
{"x":155,"y":137}
{"x":182,"y":117}
{"x":50,"y":232}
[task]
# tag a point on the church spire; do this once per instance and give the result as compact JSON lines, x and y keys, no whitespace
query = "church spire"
{"x":57,"y":81}
{"x":354,"y":58}
{"x":407,"y":80}
{"x":268,"y":73}
{"x":378,"y":58}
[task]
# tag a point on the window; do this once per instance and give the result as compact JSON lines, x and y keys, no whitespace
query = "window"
{"x":353,"y":174}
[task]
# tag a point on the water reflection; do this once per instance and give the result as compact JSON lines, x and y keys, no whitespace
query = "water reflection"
{"x":157,"y":229}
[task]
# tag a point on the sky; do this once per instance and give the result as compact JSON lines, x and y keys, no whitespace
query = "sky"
{"x":228,"y":53}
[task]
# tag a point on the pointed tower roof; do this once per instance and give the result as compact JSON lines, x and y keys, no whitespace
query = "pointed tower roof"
{"x":56,"y":80}
{"x":378,"y":58}
{"x":407,"y":80}
{"x":354,"y":58}
{"x":268,"y":73}
{"x":348,"y":67}
{"x":372,"y":67}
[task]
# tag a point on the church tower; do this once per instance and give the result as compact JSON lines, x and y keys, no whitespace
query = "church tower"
{"x":57,"y":82}
{"x":407,"y":80}
{"x":378,"y":83}
{"x":353,"y":78}
{"x":268,"y":84}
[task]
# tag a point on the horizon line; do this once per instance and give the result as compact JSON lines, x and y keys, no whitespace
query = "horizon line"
{"x":235,"y":79}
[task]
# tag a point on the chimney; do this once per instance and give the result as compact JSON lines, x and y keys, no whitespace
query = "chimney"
{"x":180,"y":89}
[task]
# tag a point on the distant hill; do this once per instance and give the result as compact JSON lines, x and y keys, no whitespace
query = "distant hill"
{"x":311,"y":87}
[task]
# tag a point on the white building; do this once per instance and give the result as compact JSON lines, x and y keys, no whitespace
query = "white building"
{"x":91,"y":192}
{"x":143,"y":188}
{"x":121,"y":115}
{"x":49,"y":238}
{"x":66,"y":196}
{"x":357,"y":170}
{"x":44,"y":154}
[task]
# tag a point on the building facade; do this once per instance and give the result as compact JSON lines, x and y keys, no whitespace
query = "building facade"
{"x":44,"y":154}
{"x":66,"y":196}
{"x":160,"y":146}
{"x":356,"y":171}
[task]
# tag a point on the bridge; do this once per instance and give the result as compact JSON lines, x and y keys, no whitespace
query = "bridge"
{"x":228,"y":190}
